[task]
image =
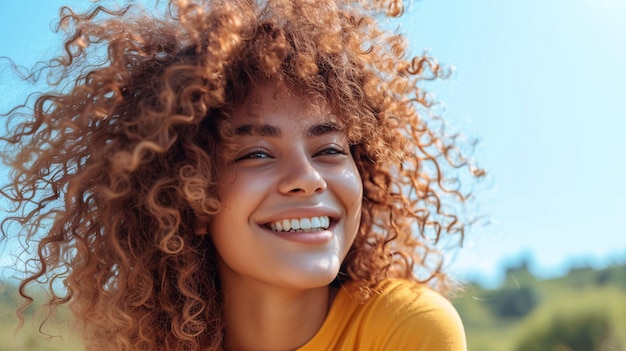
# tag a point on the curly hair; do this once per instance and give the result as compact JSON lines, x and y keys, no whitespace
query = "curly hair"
{"x":114,"y":171}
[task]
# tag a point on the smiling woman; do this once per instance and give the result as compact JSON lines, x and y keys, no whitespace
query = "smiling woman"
{"x":290,"y":168}
{"x":238,"y":176}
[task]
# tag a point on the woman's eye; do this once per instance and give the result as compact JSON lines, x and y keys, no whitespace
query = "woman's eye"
{"x":254,"y":155}
{"x":332,"y":151}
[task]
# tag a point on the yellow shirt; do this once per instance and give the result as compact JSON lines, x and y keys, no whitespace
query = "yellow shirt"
{"x":404,"y":316}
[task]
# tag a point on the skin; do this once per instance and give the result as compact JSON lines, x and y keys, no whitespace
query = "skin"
{"x":291,"y":162}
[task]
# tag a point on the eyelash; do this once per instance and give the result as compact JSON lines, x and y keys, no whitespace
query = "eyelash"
{"x":332,"y":151}
{"x":253,"y":155}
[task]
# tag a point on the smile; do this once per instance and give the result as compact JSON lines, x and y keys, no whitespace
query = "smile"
{"x":307,"y":224}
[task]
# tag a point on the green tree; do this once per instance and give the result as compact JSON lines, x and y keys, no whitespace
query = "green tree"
{"x":513,"y":302}
{"x":589,"y":331}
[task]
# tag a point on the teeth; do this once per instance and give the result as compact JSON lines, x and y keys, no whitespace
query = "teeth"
{"x":286,"y":225}
{"x":305,"y":223}
{"x":315,"y":222}
{"x":308,"y":224}
{"x":295,"y":224}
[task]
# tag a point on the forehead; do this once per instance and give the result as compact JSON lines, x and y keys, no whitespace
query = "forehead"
{"x":269,"y":104}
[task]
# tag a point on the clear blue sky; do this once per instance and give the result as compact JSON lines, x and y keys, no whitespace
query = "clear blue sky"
{"x":541,"y":84}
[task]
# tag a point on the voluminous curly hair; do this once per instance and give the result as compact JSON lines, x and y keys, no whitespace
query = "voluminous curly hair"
{"x":114,"y":172}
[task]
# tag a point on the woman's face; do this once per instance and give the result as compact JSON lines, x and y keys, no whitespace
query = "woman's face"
{"x":290,"y":200}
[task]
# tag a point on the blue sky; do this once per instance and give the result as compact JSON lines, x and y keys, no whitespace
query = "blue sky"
{"x":541,"y":85}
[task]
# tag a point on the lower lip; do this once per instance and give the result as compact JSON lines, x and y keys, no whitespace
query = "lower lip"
{"x":319,"y":237}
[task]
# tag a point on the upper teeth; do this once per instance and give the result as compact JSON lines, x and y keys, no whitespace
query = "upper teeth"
{"x":285,"y":225}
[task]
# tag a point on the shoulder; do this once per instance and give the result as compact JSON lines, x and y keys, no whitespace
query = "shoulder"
{"x":406,"y":315}
{"x":401,"y":315}
{"x":409,"y":298}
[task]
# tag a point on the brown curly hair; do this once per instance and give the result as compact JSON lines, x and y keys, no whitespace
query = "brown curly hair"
{"x":114,"y":171}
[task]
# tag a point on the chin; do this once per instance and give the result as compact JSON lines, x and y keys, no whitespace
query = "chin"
{"x":310,"y":279}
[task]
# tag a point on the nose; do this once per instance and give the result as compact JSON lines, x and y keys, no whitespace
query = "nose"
{"x":301,"y":177}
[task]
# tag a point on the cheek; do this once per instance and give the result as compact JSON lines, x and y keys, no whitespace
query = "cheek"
{"x":233,"y":189}
{"x":240,"y":195}
{"x":350,"y":191}
{"x":230,"y":194}
{"x":352,"y":188}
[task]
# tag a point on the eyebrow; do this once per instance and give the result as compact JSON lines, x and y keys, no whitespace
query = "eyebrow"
{"x":268,"y":130}
{"x":323,"y":129}
{"x":265,"y":130}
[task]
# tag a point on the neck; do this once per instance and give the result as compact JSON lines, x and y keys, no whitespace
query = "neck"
{"x":266,"y":318}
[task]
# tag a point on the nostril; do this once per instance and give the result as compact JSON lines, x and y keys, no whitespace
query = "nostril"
{"x":302,"y":190}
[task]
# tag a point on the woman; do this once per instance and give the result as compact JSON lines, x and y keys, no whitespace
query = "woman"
{"x":241,"y":176}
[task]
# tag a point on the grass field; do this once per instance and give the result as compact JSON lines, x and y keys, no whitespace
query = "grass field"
{"x":559,"y":312}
